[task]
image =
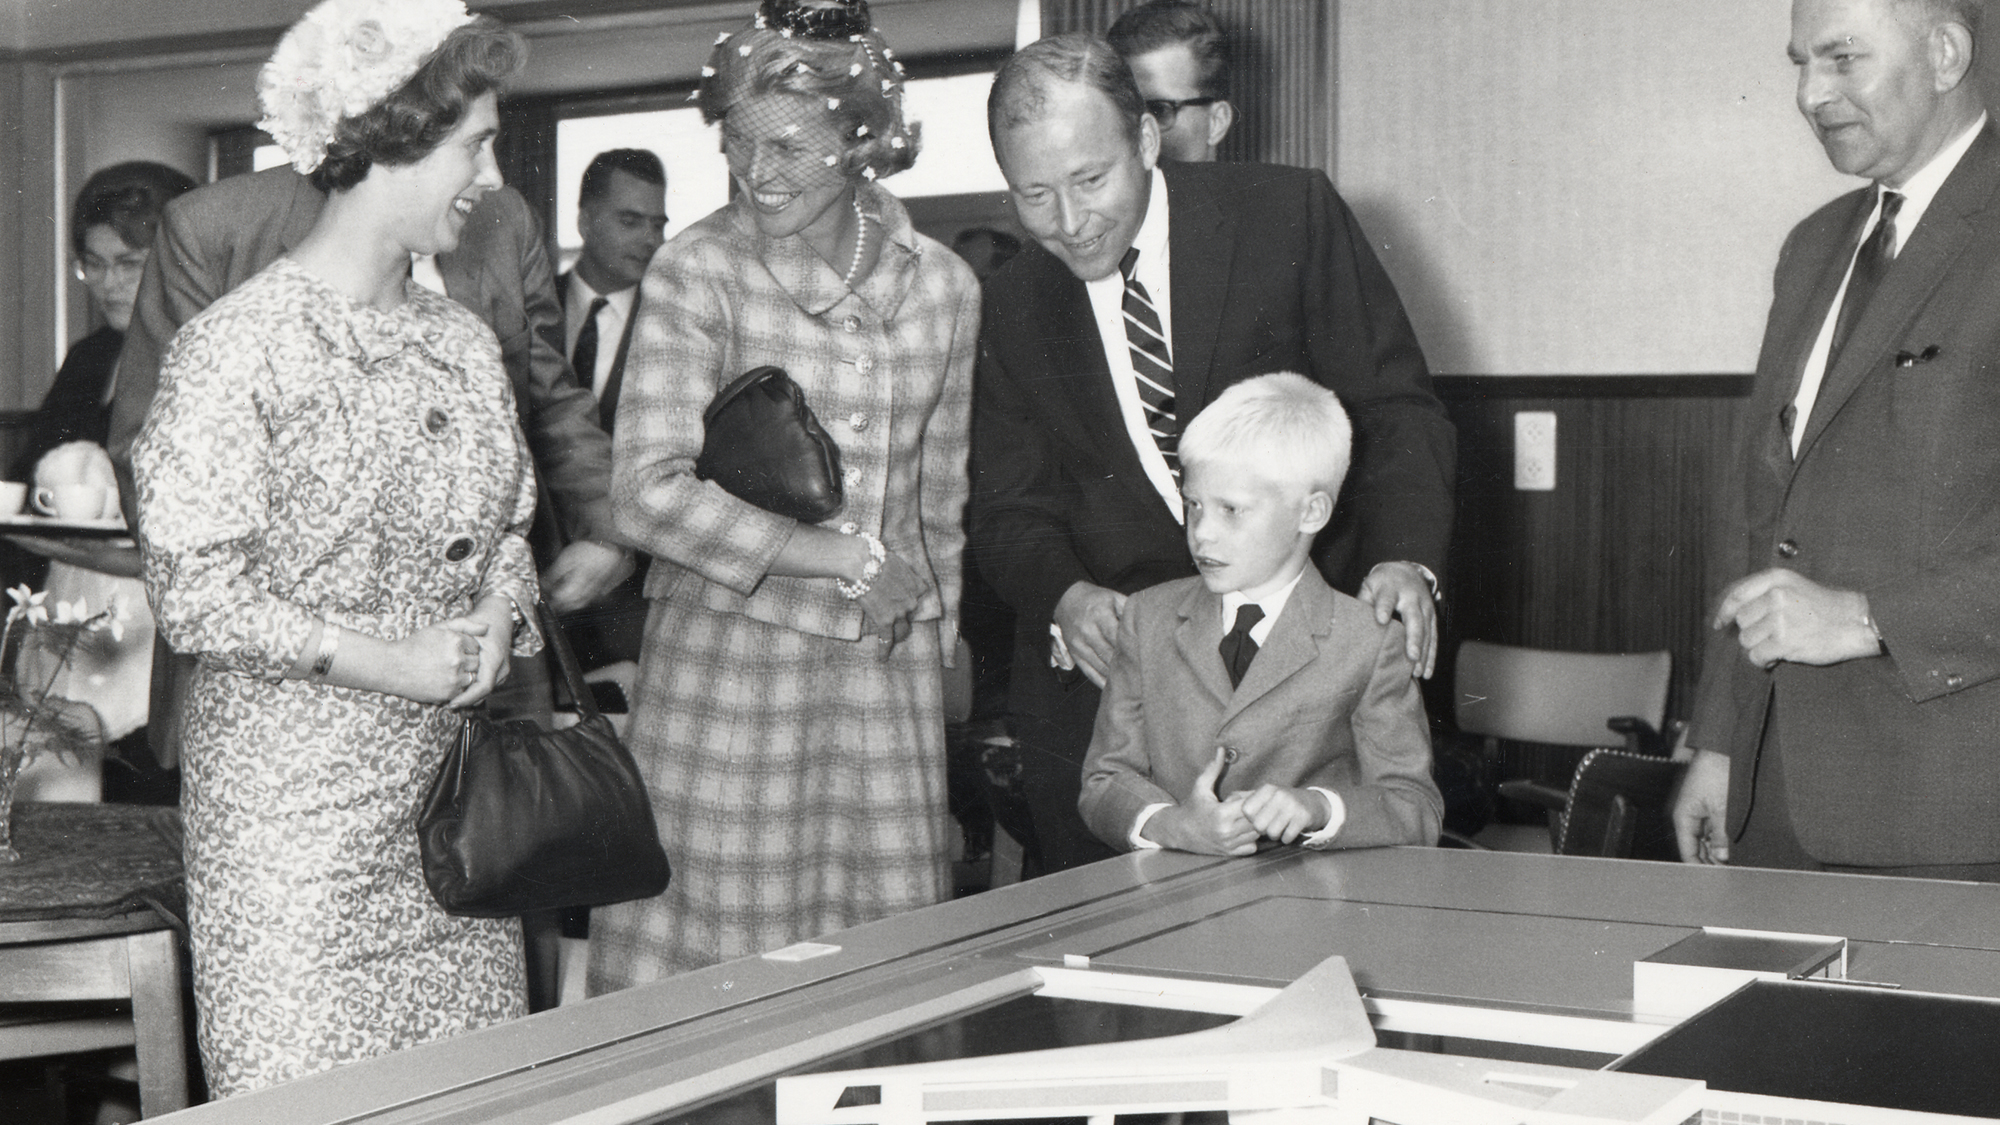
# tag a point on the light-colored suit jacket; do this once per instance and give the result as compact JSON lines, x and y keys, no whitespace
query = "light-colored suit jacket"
{"x":1329,"y":702}
{"x":1890,"y":760}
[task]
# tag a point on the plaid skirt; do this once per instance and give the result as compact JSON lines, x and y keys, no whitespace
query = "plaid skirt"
{"x":799,"y":784}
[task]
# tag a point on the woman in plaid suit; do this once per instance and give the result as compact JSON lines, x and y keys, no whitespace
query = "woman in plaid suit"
{"x":789,"y":717}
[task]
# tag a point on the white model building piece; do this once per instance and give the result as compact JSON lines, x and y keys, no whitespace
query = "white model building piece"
{"x":1309,"y":1055}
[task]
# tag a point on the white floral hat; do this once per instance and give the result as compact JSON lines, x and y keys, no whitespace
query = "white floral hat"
{"x":341,"y":60}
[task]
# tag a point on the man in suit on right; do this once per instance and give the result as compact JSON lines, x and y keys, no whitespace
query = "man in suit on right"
{"x":1849,"y":702}
{"x":1147,"y":291}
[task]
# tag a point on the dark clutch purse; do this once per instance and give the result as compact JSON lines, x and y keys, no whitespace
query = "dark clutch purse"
{"x":763,"y":444}
{"x":520,"y":819}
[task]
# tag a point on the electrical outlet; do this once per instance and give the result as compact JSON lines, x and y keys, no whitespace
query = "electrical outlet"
{"x":1535,"y":450}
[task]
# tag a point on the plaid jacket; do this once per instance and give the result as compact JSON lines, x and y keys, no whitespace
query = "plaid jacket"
{"x":887,"y":369}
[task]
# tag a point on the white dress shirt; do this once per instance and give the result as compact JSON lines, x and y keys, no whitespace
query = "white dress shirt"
{"x":1917,"y":194}
{"x":1107,"y":303}
{"x":610,"y":325}
{"x":424,"y":271}
{"x":1272,"y":604}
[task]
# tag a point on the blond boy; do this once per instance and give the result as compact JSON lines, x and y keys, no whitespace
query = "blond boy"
{"x":1253,"y":702}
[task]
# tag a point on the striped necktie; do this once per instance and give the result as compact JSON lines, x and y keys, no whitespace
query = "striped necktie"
{"x":1152,"y":362}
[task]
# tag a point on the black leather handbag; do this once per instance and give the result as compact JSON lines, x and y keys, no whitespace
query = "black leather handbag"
{"x":763,"y":444}
{"x":520,"y":819}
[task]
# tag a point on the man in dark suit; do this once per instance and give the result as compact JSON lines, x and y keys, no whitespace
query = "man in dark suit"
{"x":1850,"y":699}
{"x":1240,"y":270}
{"x":622,"y":216}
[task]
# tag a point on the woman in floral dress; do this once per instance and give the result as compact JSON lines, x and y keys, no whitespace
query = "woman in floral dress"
{"x":332,"y":494}
{"x":788,"y":714}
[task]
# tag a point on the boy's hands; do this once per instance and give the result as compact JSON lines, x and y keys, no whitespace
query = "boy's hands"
{"x":1282,"y":812}
{"x":1203,"y":823}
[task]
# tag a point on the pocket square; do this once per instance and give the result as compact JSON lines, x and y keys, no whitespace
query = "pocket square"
{"x":1911,"y":359}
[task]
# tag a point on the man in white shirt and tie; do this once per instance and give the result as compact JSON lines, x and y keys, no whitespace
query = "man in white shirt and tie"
{"x":1150,"y":288}
{"x":622,"y":216}
{"x":1850,"y":694}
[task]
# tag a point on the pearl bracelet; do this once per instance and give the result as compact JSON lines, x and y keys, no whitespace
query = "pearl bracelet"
{"x":877,"y":555}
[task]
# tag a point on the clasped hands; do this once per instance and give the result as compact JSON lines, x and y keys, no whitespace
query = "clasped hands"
{"x":1213,"y":825}
{"x":460,"y":660}
{"x":1780,"y":615}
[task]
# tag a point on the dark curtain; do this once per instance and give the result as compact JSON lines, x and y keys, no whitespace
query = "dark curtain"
{"x":1283,"y":63}
{"x":526,"y":151}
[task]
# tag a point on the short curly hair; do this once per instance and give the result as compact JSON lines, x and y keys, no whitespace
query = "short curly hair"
{"x":128,"y":198}
{"x":408,"y":125}
{"x":858,"y":78}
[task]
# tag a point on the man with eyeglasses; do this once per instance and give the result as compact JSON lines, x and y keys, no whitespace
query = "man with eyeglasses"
{"x":1179,"y":55}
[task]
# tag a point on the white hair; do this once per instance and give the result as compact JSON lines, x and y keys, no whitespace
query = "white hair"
{"x":1284,"y":423}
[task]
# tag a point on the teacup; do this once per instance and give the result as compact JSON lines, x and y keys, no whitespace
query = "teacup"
{"x":13,"y":494}
{"x":76,"y":501}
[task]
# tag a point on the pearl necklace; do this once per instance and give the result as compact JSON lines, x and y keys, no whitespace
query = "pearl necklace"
{"x":860,"y":242}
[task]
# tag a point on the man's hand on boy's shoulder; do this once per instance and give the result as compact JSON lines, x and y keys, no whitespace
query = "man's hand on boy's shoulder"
{"x":1088,"y":618}
{"x":1203,"y":822}
{"x":1400,"y":588}
{"x":1284,"y":813}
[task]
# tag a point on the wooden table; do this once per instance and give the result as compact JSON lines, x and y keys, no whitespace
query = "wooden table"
{"x":1531,"y":951}
{"x":87,"y":927}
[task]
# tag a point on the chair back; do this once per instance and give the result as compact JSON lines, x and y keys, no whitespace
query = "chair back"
{"x":1619,"y":807}
{"x":1565,"y":698}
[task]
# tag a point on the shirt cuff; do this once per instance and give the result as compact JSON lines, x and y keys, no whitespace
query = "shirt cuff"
{"x":1139,"y":825}
{"x":1336,"y":819}
{"x":1430,"y":580}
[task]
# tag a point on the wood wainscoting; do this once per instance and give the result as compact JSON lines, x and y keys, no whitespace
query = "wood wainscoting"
{"x":1614,"y":558}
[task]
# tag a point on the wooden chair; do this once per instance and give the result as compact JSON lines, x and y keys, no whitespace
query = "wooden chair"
{"x":1541,"y":711}
{"x":1618,"y":806}
{"x":1561,"y":698}
{"x":84,"y":984}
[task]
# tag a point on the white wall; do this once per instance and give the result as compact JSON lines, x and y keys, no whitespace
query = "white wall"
{"x":1577,"y":186}
{"x":152,"y":78}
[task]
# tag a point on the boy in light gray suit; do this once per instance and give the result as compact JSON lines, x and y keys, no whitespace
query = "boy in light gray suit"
{"x":1254,"y":702}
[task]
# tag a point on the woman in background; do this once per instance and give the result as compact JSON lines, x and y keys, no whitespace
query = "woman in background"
{"x":789,"y":719}
{"x":111,"y":234}
{"x":332,"y":494}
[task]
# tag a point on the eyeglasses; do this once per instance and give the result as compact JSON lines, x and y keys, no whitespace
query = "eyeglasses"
{"x":93,"y":268}
{"x":1166,"y":112}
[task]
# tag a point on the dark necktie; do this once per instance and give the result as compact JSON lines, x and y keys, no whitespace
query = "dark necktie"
{"x":1237,"y":648}
{"x":1870,"y":263}
{"x":583,"y":358}
{"x":1152,"y":362}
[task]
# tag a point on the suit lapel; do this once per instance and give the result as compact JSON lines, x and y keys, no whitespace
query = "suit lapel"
{"x":1075,"y":359}
{"x":1199,"y":230}
{"x":1940,"y":239}
{"x":1294,"y":642}
{"x":1806,"y":321}
{"x":1197,"y":637}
